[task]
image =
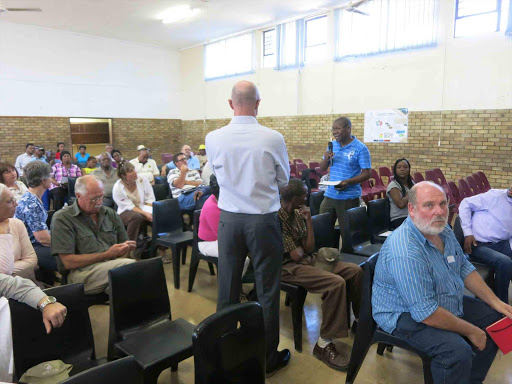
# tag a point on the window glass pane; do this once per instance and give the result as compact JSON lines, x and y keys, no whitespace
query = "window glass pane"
{"x":288,"y":45}
{"x":316,"y":31}
{"x":269,"y":42}
{"x":472,"y":7}
{"x":229,"y":57}
{"x":474,"y":25}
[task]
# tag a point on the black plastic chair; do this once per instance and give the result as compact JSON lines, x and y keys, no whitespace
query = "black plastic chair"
{"x":140,"y":319}
{"x":378,"y":219}
{"x":315,"y":199}
{"x":167,"y":231}
{"x":72,"y":343}
{"x":485,"y":271}
{"x":356,"y":238}
{"x":71,"y":190}
{"x":125,"y":371}
{"x":161,"y":191}
{"x":229,"y":346}
{"x":369,"y":333}
{"x":197,"y":256}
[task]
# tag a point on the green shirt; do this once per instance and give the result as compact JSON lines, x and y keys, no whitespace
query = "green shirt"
{"x":75,"y":233}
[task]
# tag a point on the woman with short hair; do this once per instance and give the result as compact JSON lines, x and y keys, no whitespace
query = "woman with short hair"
{"x":31,"y":211}
{"x":8,"y":177}
{"x":61,"y":174}
{"x":81,"y":156}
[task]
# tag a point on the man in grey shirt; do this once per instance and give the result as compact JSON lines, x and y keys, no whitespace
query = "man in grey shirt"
{"x":108,"y":176}
{"x":251,"y":164}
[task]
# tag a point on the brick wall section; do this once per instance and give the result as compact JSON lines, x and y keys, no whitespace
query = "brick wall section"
{"x":16,"y":132}
{"x":160,"y":135}
{"x":471,"y":140}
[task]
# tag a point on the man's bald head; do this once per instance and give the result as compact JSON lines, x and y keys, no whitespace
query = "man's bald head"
{"x":420,"y":188}
{"x":89,"y":193}
{"x":86,"y":184}
{"x":245,"y":98}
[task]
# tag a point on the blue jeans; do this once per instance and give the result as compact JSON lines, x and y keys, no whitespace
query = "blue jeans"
{"x":454,"y":360}
{"x":187,"y":202}
{"x":499,"y":257}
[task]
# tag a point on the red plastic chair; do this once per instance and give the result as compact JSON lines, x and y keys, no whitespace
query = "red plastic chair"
{"x":473,"y":185}
{"x":297,"y":161}
{"x":300,"y":167}
{"x":369,"y":191}
{"x":323,"y":173}
{"x":313,"y":164}
{"x":417,"y":177}
{"x":457,"y":198}
{"x":430,"y":176}
{"x":440,"y":176}
{"x":464,"y":189}
{"x":484,"y":180}
{"x":480,"y":182}
{"x":377,"y":184}
{"x":385,"y":172}
{"x":293,"y":170}
{"x":166,"y":158}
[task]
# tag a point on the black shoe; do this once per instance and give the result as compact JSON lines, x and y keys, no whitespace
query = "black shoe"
{"x":282,"y":360}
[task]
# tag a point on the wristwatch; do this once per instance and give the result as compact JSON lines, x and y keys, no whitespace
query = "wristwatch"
{"x":48,"y":300}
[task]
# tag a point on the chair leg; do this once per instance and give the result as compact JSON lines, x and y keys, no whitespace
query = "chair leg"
{"x":380,"y":349}
{"x":297,"y":304}
{"x":212,"y":270}
{"x":362,"y":343}
{"x":287,"y":300}
{"x":183,"y":254}
{"x":176,"y":266}
{"x":194,"y":264}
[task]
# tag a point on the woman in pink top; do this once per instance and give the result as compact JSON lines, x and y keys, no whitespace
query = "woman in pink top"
{"x":209,"y":222}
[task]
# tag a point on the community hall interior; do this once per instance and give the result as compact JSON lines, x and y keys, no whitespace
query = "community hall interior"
{"x":159,"y":74}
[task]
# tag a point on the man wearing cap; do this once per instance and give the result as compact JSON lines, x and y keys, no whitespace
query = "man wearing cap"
{"x":202,"y":156}
{"x":40,"y":154}
{"x":144,"y":166}
{"x":192,"y":161}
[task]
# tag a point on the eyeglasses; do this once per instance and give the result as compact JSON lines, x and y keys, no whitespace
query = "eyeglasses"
{"x":96,"y":199}
{"x":182,"y":159}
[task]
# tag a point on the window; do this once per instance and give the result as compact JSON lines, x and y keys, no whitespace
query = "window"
{"x":229,"y":57}
{"x":289,"y":44}
{"x":473,"y":17}
{"x":390,"y":25}
{"x":269,"y":48}
{"x":316,"y":39}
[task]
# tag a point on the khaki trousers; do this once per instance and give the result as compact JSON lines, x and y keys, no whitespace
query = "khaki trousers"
{"x":134,"y":222}
{"x":344,"y":282}
{"x":94,"y":277}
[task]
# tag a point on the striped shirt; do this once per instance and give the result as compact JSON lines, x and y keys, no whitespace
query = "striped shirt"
{"x":412,"y":276}
{"x":348,"y":161}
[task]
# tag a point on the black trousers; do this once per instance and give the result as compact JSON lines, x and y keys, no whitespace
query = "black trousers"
{"x":259,"y":235}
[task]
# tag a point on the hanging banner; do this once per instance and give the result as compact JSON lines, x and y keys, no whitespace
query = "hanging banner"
{"x":386,"y":126}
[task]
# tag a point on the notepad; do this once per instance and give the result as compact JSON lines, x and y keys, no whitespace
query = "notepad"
{"x":328,"y":182}
{"x":501,"y":333}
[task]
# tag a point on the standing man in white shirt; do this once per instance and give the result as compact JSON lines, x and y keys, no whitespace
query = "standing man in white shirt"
{"x":144,"y":166}
{"x":251,"y":164}
{"x":25,"y":158}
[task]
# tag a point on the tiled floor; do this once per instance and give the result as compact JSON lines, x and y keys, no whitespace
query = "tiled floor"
{"x":398,"y":367}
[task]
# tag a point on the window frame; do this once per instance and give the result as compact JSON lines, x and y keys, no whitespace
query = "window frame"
{"x":326,"y":44}
{"x":457,"y":17}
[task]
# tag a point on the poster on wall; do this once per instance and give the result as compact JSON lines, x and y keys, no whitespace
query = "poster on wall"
{"x":386,"y":126}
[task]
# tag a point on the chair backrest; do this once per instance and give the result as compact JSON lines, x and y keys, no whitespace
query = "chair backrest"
{"x":431,"y":176}
{"x":125,"y":370}
{"x":473,"y":185}
{"x":355,"y":228}
{"x":161,"y":180}
{"x":161,"y":191}
{"x":167,"y":217}
{"x":297,"y":161}
{"x":385,"y":172}
{"x":293,"y":169}
{"x":365,"y":185}
{"x":455,"y":192}
{"x":479,"y":182}
{"x":375,"y":176}
{"x":440,"y":176}
{"x":320,"y":172}
{"x":366,"y":322}
{"x":300,"y":167}
{"x":315,"y":199}
{"x":484,"y":180}
{"x":313,"y":164}
{"x":378,"y":216}
{"x":464,"y":189}
{"x":71,"y":343}
{"x":138,"y":297}
{"x":166,"y":158}
{"x":195,"y":240}
{"x":418,"y":177}
{"x":325,"y":235}
{"x":71,"y":187}
{"x":229,"y":346}
{"x":457,"y":230}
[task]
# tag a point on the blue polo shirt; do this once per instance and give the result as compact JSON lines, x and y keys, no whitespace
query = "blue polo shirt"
{"x":192,"y":163}
{"x":348,"y":161}
{"x":412,"y":276}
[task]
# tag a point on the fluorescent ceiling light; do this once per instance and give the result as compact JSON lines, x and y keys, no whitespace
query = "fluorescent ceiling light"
{"x":179,"y":13}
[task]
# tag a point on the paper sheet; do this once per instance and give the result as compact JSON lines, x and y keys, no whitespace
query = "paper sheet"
{"x":147,"y":208}
{"x":329,"y":182}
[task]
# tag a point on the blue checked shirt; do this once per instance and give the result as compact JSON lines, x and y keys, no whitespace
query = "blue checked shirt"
{"x":348,"y":162}
{"x":412,"y":276}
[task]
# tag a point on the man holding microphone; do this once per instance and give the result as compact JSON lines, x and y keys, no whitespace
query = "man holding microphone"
{"x":350,"y":163}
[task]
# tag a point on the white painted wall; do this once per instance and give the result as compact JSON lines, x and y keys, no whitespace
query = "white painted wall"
{"x":462,"y":73}
{"x":54,"y":73}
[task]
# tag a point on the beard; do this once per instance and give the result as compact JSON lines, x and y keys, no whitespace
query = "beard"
{"x":428,"y":227}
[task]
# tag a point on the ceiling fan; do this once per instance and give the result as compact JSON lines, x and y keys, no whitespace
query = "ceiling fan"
{"x":4,"y":9}
{"x":352,"y":7}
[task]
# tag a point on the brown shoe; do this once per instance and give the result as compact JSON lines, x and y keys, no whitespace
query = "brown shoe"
{"x":332,"y":357}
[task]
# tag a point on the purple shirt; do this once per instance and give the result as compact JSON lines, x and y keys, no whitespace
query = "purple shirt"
{"x":492,"y":216}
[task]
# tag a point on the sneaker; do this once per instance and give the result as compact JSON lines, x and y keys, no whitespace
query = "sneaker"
{"x":281,"y":361}
{"x":332,"y":357}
